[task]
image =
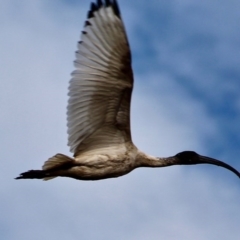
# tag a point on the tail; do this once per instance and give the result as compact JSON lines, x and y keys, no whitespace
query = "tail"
{"x":51,"y":168}
{"x":39,"y":174}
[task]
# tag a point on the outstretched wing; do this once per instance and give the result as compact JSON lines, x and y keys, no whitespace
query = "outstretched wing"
{"x":101,"y":86}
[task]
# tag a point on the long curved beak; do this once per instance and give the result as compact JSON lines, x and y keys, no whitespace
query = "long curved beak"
{"x":208,"y":160}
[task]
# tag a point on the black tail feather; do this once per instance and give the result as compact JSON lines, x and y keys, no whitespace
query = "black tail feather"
{"x":39,"y":174}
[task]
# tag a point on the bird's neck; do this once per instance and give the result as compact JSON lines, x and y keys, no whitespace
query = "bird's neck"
{"x":144,"y":160}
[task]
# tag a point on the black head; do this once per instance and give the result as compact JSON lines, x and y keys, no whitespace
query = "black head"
{"x":190,"y":157}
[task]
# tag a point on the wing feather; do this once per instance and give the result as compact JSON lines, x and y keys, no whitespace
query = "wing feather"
{"x":101,"y":85}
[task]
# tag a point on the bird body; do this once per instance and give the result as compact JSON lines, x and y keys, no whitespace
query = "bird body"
{"x":98,"y":112}
{"x":107,"y":163}
{"x":110,"y":163}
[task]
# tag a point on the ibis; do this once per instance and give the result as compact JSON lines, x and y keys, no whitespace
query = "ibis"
{"x":98,"y":112}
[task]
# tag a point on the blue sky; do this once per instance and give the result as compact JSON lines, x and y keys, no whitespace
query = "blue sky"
{"x":186,"y":97}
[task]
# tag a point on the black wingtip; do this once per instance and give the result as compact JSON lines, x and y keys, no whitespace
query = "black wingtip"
{"x":116,"y":8}
{"x":93,"y":8}
{"x":107,"y":3}
{"x":99,"y":3}
{"x":87,"y":23}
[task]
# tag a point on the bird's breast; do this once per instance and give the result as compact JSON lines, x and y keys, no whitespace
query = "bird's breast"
{"x":104,"y":166}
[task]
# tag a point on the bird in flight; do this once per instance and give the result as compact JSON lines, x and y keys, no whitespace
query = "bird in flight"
{"x":98,"y":112}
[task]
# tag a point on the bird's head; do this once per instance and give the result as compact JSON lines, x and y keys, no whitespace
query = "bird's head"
{"x":190,"y":157}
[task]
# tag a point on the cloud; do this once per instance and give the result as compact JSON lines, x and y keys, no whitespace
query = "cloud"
{"x":180,"y":55}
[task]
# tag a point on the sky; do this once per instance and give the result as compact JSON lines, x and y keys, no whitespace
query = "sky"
{"x":186,"y":58}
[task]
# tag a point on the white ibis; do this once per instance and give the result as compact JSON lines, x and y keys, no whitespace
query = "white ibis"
{"x":98,"y":112}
